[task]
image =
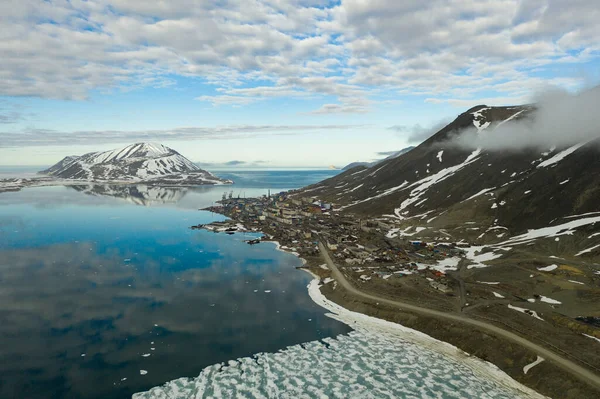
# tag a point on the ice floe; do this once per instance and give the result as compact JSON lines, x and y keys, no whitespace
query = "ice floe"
{"x":378,"y":359}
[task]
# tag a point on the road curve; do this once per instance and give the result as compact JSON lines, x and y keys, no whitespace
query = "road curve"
{"x":567,"y":365}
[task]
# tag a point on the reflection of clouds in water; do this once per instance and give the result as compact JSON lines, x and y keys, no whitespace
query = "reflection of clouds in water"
{"x":59,"y":301}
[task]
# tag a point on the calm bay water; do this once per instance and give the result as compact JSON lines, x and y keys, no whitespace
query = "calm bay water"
{"x":101,"y":297}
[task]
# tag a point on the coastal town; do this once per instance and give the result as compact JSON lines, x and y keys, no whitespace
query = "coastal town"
{"x":361,"y":247}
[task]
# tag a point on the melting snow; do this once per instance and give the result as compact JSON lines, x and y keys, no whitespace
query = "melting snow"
{"x":526,"y":311}
{"x":497,"y":295}
{"x":549,"y":300}
{"x":421,"y":186}
{"x":439,"y":155}
{"x":585,"y":251}
{"x":561,"y":155}
{"x":479,"y":259}
{"x":576,"y":282}
{"x":547,"y":268}
{"x":485,"y":190}
{"x":551,"y":231}
{"x":533,"y":364}
{"x":592,"y":337}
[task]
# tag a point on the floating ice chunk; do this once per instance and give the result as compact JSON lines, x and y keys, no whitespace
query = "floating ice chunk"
{"x":83,"y":355}
{"x":267,"y":291}
{"x":533,"y":364}
{"x":145,"y":355}
{"x":143,"y":372}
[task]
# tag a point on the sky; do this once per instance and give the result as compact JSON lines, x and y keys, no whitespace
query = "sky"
{"x":274,"y":83}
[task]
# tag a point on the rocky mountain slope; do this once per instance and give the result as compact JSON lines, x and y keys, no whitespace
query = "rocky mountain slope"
{"x":140,"y":162}
{"x":483,"y":196}
{"x":369,"y":164}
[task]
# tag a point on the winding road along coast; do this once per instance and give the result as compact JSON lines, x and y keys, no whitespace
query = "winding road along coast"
{"x":567,"y":365}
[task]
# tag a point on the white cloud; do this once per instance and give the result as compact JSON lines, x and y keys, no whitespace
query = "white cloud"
{"x":41,"y":137}
{"x":257,"y":49}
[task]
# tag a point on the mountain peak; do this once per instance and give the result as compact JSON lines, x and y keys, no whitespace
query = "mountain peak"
{"x":138,"y":162}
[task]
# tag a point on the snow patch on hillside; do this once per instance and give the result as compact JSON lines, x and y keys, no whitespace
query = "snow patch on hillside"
{"x":561,"y":155}
{"x":421,"y":186}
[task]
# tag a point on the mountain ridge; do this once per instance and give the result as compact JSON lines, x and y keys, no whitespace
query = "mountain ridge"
{"x":135,"y":163}
{"x":441,"y":184}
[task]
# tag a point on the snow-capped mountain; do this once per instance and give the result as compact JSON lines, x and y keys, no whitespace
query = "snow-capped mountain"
{"x":140,"y":162}
{"x":499,"y":192}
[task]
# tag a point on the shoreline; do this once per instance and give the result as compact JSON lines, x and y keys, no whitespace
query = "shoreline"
{"x":361,"y":322}
{"x":499,"y":353}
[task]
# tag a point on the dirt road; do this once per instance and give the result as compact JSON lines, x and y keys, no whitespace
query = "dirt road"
{"x":580,"y":372}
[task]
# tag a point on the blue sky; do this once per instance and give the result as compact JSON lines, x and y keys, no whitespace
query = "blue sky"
{"x":276,"y":83}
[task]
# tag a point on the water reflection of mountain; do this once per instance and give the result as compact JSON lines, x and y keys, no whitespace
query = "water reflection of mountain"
{"x":139,"y":194}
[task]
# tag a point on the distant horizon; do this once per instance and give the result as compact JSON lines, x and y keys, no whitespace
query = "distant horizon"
{"x":288,"y":83}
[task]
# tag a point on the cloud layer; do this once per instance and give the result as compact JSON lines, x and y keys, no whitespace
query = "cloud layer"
{"x":346,"y":52}
{"x":43,"y":137}
{"x":560,"y":119}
